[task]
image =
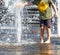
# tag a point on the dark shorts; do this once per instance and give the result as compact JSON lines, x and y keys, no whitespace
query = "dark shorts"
{"x":46,"y":23}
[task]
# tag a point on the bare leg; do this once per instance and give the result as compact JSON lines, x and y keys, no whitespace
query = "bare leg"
{"x":42,"y":34}
{"x":48,"y":35}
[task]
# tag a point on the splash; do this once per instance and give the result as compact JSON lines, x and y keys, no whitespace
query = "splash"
{"x":11,"y":5}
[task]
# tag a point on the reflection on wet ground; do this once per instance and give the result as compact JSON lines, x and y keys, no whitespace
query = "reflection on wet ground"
{"x":32,"y":49}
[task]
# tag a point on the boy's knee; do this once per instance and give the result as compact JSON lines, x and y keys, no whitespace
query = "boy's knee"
{"x":42,"y":27}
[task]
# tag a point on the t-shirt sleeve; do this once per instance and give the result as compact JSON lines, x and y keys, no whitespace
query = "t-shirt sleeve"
{"x":50,"y":1}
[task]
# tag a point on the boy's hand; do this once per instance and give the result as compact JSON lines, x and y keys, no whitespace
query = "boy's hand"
{"x":56,"y":15}
{"x":21,"y":5}
{"x":18,"y":5}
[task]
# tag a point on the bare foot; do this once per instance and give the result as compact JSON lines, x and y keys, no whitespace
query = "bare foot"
{"x":48,"y":41}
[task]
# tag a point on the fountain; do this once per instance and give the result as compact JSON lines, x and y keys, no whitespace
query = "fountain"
{"x":58,"y":18}
{"x":10,"y":21}
{"x":14,"y":32}
{"x":14,"y":17}
{"x":20,"y":24}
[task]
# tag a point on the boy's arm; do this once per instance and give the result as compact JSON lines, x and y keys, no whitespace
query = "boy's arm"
{"x":24,"y":4}
{"x":55,"y":10}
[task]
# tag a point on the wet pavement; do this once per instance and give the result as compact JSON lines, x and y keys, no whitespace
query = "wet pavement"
{"x":32,"y":49}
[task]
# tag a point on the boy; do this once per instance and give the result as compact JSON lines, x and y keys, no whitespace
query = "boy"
{"x":44,"y":7}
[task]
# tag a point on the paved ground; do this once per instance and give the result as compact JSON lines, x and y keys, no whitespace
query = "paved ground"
{"x":32,"y":49}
